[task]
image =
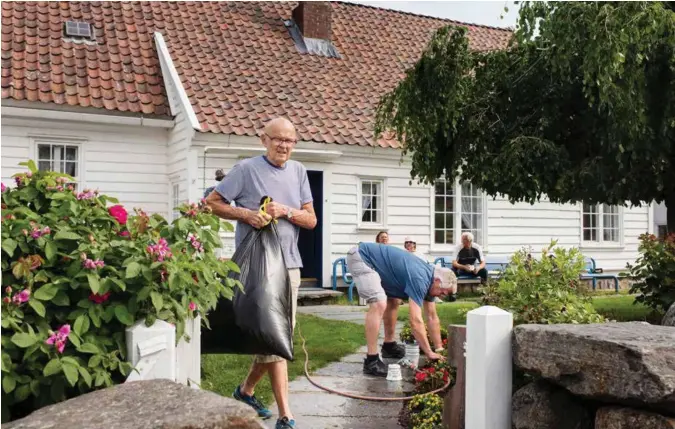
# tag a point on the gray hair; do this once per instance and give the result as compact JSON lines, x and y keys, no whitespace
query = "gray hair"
{"x":468,"y":236}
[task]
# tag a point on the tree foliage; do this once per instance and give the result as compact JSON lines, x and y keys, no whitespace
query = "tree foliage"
{"x":579,"y":107}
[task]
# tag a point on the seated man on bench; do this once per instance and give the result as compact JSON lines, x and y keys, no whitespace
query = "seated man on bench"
{"x":382,"y":275}
{"x":469,"y":260}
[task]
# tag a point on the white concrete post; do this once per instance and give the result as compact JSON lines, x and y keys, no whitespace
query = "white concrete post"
{"x":488,"y":368}
{"x":188,"y":354}
{"x":151,"y":350}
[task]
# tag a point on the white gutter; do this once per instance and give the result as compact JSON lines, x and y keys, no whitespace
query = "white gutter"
{"x":167,"y":64}
{"x":299,"y":154}
{"x":58,"y":115}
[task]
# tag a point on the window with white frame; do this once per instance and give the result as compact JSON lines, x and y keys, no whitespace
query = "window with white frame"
{"x":372,"y":202}
{"x":458,"y":209}
{"x":175,"y":201}
{"x":58,"y":157}
{"x":601,"y":223}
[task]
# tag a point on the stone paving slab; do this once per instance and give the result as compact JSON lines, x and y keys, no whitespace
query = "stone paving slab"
{"x":368,"y":386}
{"x":313,"y":422}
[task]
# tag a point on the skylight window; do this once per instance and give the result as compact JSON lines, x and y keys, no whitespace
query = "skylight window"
{"x":80,"y":30}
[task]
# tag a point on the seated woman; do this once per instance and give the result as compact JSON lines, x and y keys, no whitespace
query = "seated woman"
{"x":382,"y":237}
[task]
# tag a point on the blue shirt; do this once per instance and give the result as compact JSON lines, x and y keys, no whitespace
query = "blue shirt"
{"x":402,"y":273}
{"x":253,"y":178}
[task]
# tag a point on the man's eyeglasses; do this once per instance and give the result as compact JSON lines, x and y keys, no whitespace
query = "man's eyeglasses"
{"x":279,"y":141}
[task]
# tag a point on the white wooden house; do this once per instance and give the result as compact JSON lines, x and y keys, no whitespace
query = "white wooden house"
{"x":145,"y":101}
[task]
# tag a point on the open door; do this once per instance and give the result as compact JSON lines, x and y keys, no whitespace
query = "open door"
{"x":310,"y":242}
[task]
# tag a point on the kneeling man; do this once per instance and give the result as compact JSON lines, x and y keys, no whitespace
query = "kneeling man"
{"x":383,"y":275}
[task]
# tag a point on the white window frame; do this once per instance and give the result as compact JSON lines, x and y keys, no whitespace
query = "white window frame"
{"x":446,"y":249}
{"x":359,"y":203}
{"x":601,"y":243}
{"x":47,"y":141}
{"x":174,"y":198}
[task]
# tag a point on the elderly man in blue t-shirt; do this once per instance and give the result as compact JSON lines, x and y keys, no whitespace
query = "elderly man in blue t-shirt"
{"x":381,"y":272}
{"x":276,"y":176}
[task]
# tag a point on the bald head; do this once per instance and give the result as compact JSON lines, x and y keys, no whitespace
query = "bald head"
{"x":279,"y":138}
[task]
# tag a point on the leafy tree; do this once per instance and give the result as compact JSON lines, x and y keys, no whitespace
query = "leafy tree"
{"x":579,"y":107}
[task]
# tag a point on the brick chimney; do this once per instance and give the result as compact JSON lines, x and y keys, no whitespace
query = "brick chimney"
{"x":314,"y":19}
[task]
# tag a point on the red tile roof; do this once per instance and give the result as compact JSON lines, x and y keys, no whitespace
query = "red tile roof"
{"x":237,"y":62}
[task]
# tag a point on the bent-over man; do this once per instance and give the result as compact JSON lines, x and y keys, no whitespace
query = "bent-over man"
{"x":384,"y":272}
{"x":286,"y":182}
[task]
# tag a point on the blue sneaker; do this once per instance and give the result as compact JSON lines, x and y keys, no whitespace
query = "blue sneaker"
{"x":284,"y":423}
{"x":253,"y":402}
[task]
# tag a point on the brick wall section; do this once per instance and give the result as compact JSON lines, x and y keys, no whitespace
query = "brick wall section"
{"x":314,"y":19}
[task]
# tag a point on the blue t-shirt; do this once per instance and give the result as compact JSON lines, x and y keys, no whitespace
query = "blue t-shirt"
{"x":253,"y":178}
{"x":402,"y":273}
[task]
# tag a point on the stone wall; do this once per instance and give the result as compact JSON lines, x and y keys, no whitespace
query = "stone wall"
{"x":601,"y":376}
{"x":148,"y":404}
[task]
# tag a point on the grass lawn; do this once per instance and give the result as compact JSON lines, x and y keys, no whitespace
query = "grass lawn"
{"x":614,"y":307}
{"x":327,"y":341}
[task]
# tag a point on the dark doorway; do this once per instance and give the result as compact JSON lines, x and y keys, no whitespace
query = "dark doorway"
{"x":309,"y":242}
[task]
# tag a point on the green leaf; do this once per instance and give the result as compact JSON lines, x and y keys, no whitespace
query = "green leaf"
{"x":79,"y":325}
{"x":143,"y":293}
{"x":9,"y":245}
{"x":24,"y":340}
{"x":6,"y":362}
{"x":95,"y":316}
{"x":8,"y":383}
{"x":22,"y":392}
{"x":46,"y":292}
{"x":61,"y":299}
{"x":66,"y":235}
{"x":52,"y":367}
{"x":123,"y":315}
{"x":58,"y":196}
{"x":133,"y":270}
{"x":50,"y":250}
{"x":88,"y":348}
{"x":94,"y":285}
{"x":35,"y":387}
{"x":75,"y":339}
{"x":71,"y":373}
{"x":38,"y":307}
{"x":157,"y":300}
{"x":100,"y":379}
{"x":118,"y":282}
{"x":94,"y":361}
{"x":85,"y":376}
{"x":30,"y":164}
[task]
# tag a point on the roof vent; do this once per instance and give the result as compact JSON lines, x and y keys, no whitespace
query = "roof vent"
{"x":80,"y":30}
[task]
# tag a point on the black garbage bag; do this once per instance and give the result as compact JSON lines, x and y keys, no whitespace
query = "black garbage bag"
{"x":259,"y":319}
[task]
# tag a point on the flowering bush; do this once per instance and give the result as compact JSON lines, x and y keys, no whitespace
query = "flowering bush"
{"x":654,"y":272}
{"x":545,"y":289}
{"x":426,"y":412}
{"x":433,"y":375}
{"x":76,"y":273}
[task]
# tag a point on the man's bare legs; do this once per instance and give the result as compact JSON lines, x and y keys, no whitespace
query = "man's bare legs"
{"x":390,"y":316}
{"x":278,"y":372}
{"x":373,"y":321}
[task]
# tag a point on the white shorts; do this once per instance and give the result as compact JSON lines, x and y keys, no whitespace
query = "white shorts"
{"x":368,"y":282}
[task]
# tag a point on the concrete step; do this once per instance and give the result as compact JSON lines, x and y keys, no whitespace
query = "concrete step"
{"x":317,"y":296}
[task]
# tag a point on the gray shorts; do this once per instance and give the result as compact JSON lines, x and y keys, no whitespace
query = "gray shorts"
{"x":367,"y":281}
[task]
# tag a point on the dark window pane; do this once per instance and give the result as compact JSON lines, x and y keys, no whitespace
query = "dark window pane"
{"x":450,"y":236}
{"x":449,"y":220}
{"x":71,"y":168}
{"x":450,"y":204}
{"x":440,"y":204}
{"x":376,"y":216}
{"x":439,"y":236}
{"x":365,"y":188}
{"x":587,"y":234}
{"x":440,"y":188}
{"x":367,"y":216}
{"x":44,"y":165}
{"x":71,"y":153}
{"x":375,"y":188}
{"x":44,"y":152}
{"x":439,"y":220}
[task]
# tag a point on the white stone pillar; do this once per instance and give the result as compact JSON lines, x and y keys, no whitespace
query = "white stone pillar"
{"x":488,"y":368}
{"x":151,"y":350}
{"x":188,"y":354}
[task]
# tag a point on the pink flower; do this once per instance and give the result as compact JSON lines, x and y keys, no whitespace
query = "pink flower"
{"x":4,"y":188}
{"x":59,"y":338}
{"x":195,"y":243}
{"x":36,"y":233}
{"x":119,"y":213}
{"x":99,"y":299}
{"x":163,"y":275}
{"x":8,"y":289}
{"x":160,"y":250}
{"x":92,"y":264}
{"x":86,"y":195}
{"x":46,"y":230}
{"x":192,"y":306}
{"x":123,"y":233}
{"x":22,"y":296}
{"x":18,"y":180}
{"x":29,"y":174}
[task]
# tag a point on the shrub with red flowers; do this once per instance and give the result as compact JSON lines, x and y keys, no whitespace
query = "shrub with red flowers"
{"x":425,"y":410}
{"x":77,"y":271}
{"x":654,"y":272}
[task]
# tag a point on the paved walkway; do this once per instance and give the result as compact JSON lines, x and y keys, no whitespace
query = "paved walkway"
{"x":314,"y":408}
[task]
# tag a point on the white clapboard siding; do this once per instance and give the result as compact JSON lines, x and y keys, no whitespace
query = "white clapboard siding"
{"x":128,"y":163}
